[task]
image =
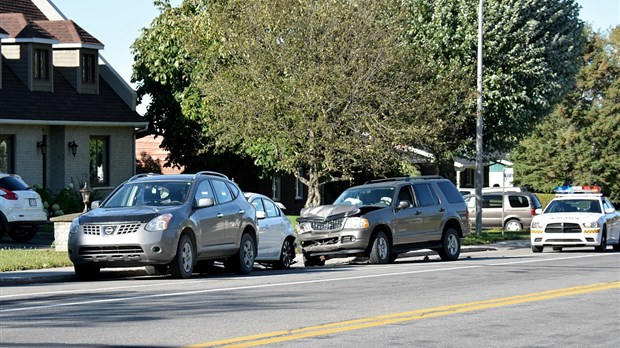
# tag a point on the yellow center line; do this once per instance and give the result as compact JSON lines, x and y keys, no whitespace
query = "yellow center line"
{"x":356,"y":324}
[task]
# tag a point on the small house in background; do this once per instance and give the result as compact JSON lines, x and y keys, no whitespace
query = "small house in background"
{"x":66,"y":115}
{"x":150,"y":157}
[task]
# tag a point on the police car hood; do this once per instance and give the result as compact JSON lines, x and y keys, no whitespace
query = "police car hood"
{"x":124,"y":214}
{"x":568,"y":217}
{"x":325,"y":212}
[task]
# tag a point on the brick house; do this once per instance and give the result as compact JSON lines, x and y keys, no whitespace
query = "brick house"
{"x":66,"y":116}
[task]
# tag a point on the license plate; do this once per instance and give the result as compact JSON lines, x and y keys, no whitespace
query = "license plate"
{"x":32,"y":202}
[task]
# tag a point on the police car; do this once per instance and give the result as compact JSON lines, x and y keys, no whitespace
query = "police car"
{"x":578,"y":216}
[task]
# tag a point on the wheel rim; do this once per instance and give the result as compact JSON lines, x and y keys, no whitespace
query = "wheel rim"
{"x":382,"y":248}
{"x":453,"y":244}
{"x":248,"y":254}
{"x":513,"y":226}
{"x":187,"y":258}
{"x":286,"y":254}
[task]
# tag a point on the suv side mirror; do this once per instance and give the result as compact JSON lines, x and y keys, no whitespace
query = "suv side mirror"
{"x":205,"y":202}
{"x":403,"y":205}
{"x":94,"y":205}
{"x":261,"y":215}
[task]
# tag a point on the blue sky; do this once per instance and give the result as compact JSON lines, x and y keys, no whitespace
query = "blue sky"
{"x":117,"y":23}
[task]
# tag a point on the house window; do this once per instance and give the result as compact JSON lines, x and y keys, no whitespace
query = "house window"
{"x":88,"y":68}
{"x":41,"y":64}
{"x":6,"y":153}
{"x":99,"y":161}
{"x":276,"y":187}
{"x":299,"y":189}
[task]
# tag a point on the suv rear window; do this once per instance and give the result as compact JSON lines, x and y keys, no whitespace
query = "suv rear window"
{"x":449,"y":190}
{"x":12,"y":183}
{"x":518,"y":201}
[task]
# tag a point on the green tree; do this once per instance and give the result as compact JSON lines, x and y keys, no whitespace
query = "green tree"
{"x":531,"y":50}
{"x":316,"y":89}
{"x":580,"y":140}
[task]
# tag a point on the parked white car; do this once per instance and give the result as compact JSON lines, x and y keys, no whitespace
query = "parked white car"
{"x":578,"y":216}
{"x":276,"y":242}
{"x":21,"y":209}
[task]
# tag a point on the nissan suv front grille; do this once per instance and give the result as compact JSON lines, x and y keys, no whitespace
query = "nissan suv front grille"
{"x":97,"y":230}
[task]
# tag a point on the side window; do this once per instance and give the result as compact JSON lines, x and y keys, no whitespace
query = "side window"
{"x":258,"y":204}
{"x":518,"y":201}
{"x":271,"y":209}
{"x":234,"y":189}
{"x":607,"y":204}
{"x":99,"y":160}
{"x":492,"y":201}
{"x":204,"y":191}
{"x":425,"y":195}
{"x":405,"y":195}
{"x":450,"y":192}
{"x":221,"y":191}
{"x":6,"y":153}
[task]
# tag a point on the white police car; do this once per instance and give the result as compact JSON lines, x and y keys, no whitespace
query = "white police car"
{"x":578,"y":216}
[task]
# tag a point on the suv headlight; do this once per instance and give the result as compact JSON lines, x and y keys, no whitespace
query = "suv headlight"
{"x":356,"y":222}
{"x":75,"y":226}
{"x":591,"y":224}
{"x":158,"y":223}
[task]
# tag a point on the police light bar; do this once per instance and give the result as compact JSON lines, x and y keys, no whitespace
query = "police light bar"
{"x":577,"y":189}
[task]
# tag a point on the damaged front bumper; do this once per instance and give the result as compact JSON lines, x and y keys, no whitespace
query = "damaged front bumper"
{"x":343,"y":243}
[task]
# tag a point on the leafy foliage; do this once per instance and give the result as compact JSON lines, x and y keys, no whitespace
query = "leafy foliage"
{"x":531,"y":48}
{"x":580,"y":140}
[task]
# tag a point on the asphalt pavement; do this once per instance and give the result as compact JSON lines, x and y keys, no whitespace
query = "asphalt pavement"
{"x":65,"y":274}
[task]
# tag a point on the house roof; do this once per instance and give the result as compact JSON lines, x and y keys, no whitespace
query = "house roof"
{"x":66,"y":31}
{"x":18,"y":27}
{"x":26,"y":7}
{"x":64,"y":106}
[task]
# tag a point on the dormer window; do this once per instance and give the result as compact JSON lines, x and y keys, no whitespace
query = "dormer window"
{"x":89,"y":64}
{"x":41,"y":64}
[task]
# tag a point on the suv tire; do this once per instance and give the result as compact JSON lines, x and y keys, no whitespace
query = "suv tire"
{"x":450,"y":245}
{"x":22,"y":235}
{"x":380,"y":250}
{"x":311,"y":261}
{"x":183,"y":263}
{"x":243,"y":261}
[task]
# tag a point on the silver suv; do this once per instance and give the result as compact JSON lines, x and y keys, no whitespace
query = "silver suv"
{"x":384,"y":218}
{"x":167,"y":223}
{"x":509,"y":210}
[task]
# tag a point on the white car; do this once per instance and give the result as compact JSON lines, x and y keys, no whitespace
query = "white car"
{"x":21,"y":209}
{"x":276,"y":241}
{"x":578,"y":216}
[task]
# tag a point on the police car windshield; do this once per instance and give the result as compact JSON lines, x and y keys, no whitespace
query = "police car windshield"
{"x":574,"y":206}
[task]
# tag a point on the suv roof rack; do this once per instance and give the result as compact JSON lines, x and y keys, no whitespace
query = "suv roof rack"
{"x":208,"y":172}
{"x":405,"y":178}
{"x":142,"y":175}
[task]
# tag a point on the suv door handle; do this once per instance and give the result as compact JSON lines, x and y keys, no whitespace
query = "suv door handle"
{"x":418,"y":212}
{"x":220,"y":215}
{"x":441,"y":210}
{"x":241,"y":211}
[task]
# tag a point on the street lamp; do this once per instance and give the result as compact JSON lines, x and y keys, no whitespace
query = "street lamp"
{"x":85,"y":192}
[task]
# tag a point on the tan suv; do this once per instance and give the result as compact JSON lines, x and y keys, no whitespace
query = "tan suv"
{"x":384,"y":218}
{"x":510,"y":210}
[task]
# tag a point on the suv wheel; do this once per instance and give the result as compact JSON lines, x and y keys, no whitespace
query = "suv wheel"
{"x":86,"y":272}
{"x":286,"y":255}
{"x":22,"y":235}
{"x":183,"y":263}
{"x":450,"y":245}
{"x":243,"y":261}
{"x":513,"y":225}
{"x":380,"y":251}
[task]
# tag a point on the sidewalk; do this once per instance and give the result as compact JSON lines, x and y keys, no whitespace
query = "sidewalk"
{"x":66,"y":274}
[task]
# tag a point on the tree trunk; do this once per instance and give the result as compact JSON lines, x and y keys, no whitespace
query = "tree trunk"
{"x":447,"y":170}
{"x":314,"y":190}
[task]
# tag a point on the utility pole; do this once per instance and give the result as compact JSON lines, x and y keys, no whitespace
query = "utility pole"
{"x":479,"y":128}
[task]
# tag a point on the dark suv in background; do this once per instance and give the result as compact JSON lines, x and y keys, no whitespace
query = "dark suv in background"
{"x":167,"y":223}
{"x":384,"y":218}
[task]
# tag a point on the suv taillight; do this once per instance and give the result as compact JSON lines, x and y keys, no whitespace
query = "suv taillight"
{"x":10,"y":195}
{"x":533,"y":211}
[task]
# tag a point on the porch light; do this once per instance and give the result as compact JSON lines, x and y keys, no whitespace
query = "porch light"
{"x":42,"y":146}
{"x":73,"y":147}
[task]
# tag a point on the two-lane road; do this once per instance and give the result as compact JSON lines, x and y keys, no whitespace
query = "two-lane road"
{"x":497,"y":298}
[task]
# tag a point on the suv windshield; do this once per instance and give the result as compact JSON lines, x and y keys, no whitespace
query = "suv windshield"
{"x":379,"y":196}
{"x":149,"y":194}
